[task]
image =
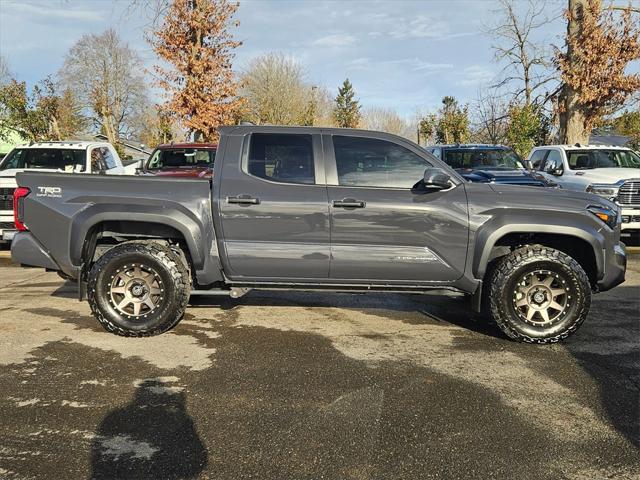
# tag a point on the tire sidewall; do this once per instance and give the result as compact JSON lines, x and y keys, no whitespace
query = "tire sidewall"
{"x":146,"y":323}
{"x":576,"y":298}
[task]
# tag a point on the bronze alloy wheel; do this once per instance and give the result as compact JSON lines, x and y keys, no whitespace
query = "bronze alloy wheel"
{"x":135,"y":290}
{"x":541,"y":297}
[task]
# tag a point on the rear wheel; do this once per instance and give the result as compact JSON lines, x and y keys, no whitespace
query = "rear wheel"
{"x":538,"y":294}
{"x":138,"y":289}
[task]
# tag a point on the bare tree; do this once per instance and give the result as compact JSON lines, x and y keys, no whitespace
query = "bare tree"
{"x":5,"y":73}
{"x":387,"y":120}
{"x":276,"y":91}
{"x":106,"y":76}
{"x":527,"y":65}
{"x":491,"y":117}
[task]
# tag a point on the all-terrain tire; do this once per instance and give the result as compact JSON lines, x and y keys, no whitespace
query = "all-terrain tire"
{"x":171,"y":278}
{"x":511,"y":275}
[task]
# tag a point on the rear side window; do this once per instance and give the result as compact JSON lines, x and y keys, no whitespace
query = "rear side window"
{"x":282,"y":158}
{"x":369,"y":162}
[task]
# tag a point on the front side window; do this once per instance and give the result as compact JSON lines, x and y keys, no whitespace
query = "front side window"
{"x":109,"y":159}
{"x":67,"y":160}
{"x":98,"y":164}
{"x":369,"y":162}
{"x":286,"y":158}
{"x":553,"y":163}
{"x":601,"y":158}
{"x":537,"y":159}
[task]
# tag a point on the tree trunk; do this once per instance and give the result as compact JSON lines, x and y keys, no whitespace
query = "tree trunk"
{"x":573,"y":125}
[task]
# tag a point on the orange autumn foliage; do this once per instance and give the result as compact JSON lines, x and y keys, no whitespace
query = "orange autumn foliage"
{"x":195,"y":42}
{"x":600,"y":45}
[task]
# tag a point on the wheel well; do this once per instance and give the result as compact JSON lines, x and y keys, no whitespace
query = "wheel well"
{"x":575,"y":247}
{"x":104,"y":235}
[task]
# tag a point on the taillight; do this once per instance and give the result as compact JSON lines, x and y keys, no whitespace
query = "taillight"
{"x":18,"y":207}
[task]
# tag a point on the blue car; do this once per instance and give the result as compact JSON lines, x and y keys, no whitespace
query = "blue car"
{"x":488,"y":164}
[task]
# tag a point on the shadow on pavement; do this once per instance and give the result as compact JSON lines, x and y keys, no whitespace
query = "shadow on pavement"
{"x":152,"y":437}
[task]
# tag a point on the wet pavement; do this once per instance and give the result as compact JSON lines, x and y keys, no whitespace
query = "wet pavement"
{"x":311,"y":386}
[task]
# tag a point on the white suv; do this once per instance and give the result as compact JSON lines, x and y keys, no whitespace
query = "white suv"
{"x":608,"y":171}
{"x":67,"y":157}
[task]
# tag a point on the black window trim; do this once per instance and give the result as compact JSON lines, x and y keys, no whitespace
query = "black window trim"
{"x":332,"y":168}
{"x":316,"y":150}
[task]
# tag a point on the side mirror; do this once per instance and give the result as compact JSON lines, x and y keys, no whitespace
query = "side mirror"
{"x":436,"y":179}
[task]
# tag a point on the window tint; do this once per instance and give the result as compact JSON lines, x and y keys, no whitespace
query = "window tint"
{"x":49,"y":158}
{"x":282,"y":158}
{"x":368,"y":162}
{"x":553,"y":161}
{"x":537,"y":159}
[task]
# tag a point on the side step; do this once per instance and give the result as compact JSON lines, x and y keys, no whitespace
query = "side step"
{"x":234,"y":292}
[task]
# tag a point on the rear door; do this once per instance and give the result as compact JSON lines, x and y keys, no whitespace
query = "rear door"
{"x":382,"y":230}
{"x":273,"y":210}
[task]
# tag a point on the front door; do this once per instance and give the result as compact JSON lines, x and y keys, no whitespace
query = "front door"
{"x":381,"y":228}
{"x":273,"y":210}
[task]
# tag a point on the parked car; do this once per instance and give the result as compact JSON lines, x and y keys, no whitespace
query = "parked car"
{"x":181,"y":160}
{"x":67,"y":157}
{"x":608,"y":171}
{"x":488,"y":164}
{"x":322,"y":209}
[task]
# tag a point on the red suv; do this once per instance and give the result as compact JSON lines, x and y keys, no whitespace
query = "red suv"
{"x":181,"y":160}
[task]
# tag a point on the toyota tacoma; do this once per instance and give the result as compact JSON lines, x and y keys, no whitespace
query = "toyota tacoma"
{"x":320,"y":209}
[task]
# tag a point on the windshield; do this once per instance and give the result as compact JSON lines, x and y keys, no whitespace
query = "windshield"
{"x":181,"y":158}
{"x":485,"y":159}
{"x":67,"y":160}
{"x":588,"y":159}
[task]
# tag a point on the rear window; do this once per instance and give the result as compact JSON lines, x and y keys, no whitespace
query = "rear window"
{"x":182,"y":158}
{"x":45,"y":158}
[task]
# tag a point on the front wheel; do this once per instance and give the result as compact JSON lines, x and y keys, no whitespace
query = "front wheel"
{"x":538,"y":294}
{"x":138,"y":289}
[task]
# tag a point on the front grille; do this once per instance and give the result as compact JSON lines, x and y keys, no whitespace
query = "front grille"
{"x":7,"y":226}
{"x":6,"y":198}
{"x":629,"y":193}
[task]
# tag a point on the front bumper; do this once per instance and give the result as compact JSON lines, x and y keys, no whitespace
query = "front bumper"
{"x":614,"y":269}
{"x":630,"y":220}
{"x":28,"y":252}
{"x":7,"y":229}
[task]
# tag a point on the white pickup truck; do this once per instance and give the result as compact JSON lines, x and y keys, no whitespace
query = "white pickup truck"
{"x":608,"y":171}
{"x":67,"y":157}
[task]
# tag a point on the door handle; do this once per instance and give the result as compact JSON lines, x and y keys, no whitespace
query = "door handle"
{"x":243,"y":200}
{"x":349,"y":203}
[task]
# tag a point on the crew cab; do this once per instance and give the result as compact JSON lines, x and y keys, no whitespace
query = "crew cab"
{"x":488,"y":164}
{"x":320,"y":209}
{"x":67,"y":157}
{"x":181,"y":160}
{"x":608,"y":171}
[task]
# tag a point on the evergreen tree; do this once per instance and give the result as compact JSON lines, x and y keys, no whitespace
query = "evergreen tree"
{"x":346,"y":112}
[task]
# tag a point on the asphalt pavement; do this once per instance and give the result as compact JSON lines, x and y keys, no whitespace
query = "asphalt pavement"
{"x":313,"y":386}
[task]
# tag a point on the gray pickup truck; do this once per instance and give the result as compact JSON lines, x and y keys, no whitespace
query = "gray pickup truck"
{"x":320,"y":209}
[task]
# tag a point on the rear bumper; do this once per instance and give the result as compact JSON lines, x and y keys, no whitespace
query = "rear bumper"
{"x":614,"y":269}
{"x":28,"y":252}
{"x":7,"y":229}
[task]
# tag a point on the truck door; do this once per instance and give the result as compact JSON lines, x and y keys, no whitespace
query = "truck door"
{"x":274,"y":208}
{"x":382,"y":229}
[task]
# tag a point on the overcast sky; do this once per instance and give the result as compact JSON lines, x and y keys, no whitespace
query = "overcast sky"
{"x":401,"y":54}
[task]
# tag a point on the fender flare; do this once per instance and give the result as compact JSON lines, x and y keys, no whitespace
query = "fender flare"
{"x":173,"y":216}
{"x":488,"y":235}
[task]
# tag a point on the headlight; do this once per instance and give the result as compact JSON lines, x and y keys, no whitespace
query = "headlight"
{"x":608,"y":191}
{"x":608,"y":216}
